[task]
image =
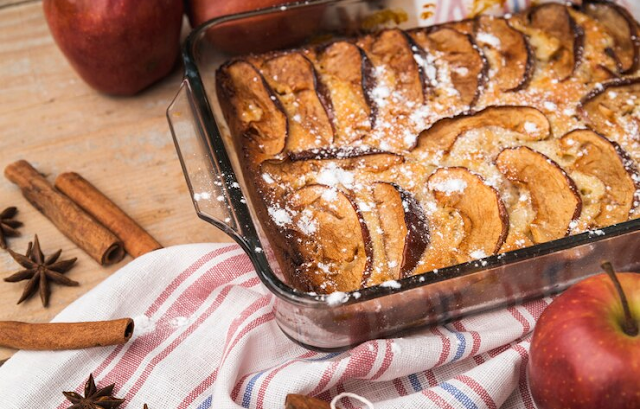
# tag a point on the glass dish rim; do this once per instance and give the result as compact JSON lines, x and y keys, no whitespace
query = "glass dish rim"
{"x":202,"y":107}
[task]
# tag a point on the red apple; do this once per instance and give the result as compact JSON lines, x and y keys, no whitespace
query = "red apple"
{"x":585,"y":351}
{"x":117,"y":46}
{"x":257,"y":34}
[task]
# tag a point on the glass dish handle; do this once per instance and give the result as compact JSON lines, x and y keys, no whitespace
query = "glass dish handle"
{"x":210,"y":189}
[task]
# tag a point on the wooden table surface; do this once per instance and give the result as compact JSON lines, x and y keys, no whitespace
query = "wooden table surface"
{"x":122,"y":145}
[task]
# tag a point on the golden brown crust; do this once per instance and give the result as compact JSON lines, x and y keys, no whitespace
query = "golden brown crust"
{"x":354,"y":151}
{"x":609,"y":108}
{"x":330,"y":237}
{"x":554,"y":195}
{"x":507,"y":50}
{"x":251,"y":108}
{"x":555,"y":21}
{"x":527,"y":121}
{"x":485,"y":221}
{"x":345,"y":70}
{"x":597,"y":156}
{"x":295,"y":82}
{"x":404,"y":225}
{"x":464,"y":62}
{"x":391,"y":50}
{"x":623,"y":29}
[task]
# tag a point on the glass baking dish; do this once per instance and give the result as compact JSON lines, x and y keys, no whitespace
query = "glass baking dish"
{"x":214,"y":176}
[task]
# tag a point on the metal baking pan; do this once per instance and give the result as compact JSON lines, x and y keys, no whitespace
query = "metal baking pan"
{"x":338,"y":321}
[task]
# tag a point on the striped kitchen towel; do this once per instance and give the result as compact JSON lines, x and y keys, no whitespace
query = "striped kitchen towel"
{"x":206,"y":337}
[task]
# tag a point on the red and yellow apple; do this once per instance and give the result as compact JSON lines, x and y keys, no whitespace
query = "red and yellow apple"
{"x":255,"y":34}
{"x":585,"y":351}
{"x":117,"y":46}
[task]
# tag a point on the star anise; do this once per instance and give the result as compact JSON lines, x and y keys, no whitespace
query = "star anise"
{"x":8,"y":226}
{"x":39,"y":271}
{"x":94,"y":398}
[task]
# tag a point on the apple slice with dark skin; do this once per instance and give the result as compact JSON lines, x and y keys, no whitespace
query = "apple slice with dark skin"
{"x":585,"y":350}
{"x":330,"y":240}
{"x":622,"y":27}
{"x":554,"y":196}
{"x":392,"y":49}
{"x":507,"y":50}
{"x":405,"y":229}
{"x":603,"y":106}
{"x":599,"y":157}
{"x":565,"y":54}
{"x":467,"y":65}
{"x":359,"y":156}
{"x":293,"y":78}
{"x":336,"y":165}
{"x":528,"y":121}
{"x":347,"y":72}
{"x":251,"y":109}
{"x":464,"y":26}
{"x":485,"y":219}
{"x":423,"y":64}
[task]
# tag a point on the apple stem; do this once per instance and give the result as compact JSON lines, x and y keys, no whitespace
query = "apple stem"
{"x":630,"y":326}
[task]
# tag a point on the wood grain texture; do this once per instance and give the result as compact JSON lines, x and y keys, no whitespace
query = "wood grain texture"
{"x":122,"y":145}
{"x":9,"y":3}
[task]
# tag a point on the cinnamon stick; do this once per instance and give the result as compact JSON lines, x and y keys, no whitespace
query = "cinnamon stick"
{"x":59,"y":336}
{"x":295,"y":401}
{"x":72,"y":221}
{"x":135,"y":239}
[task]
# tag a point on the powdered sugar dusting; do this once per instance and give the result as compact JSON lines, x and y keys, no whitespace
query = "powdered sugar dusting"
{"x":280,"y":216}
{"x":391,"y":284}
{"x":337,"y":298}
{"x":478,"y":254}
{"x":306,"y":224}
{"x":332,"y":175}
{"x":530,"y":127}
{"x":489,"y":39}
{"x":350,"y":165}
{"x":330,"y":195}
{"x":450,"y":186}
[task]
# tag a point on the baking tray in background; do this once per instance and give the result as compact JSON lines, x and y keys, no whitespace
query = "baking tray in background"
{"x":341,"y":320}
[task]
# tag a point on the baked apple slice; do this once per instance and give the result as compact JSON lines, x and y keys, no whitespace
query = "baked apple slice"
{"x":528,"y":121}
{"x":293,"y":77}
{"x":462,"y":61}
{"x":485,"y":219}
{"x":554,"y":196}
{"x":347,"y":73}
{"x":251,"y":109}
{"x":623,"y":29}
{"x":404,"y":228}
{"x":507,"y":50}
{"x":599,"y":157}
{"x":558,"y":40}
{"x":351,"y":156}
{"x":393,"y":54}
{"x":611,"y":109}
{"x":330,"y":239}
{"x":463,"y":26}
{"x":334,"y":167}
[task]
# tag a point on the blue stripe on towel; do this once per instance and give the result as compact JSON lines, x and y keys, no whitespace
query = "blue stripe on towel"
{"x":207,"y":403}
{"x":415,"y":382}
{"x":246,"y":398}
{"x":460,"y":397}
